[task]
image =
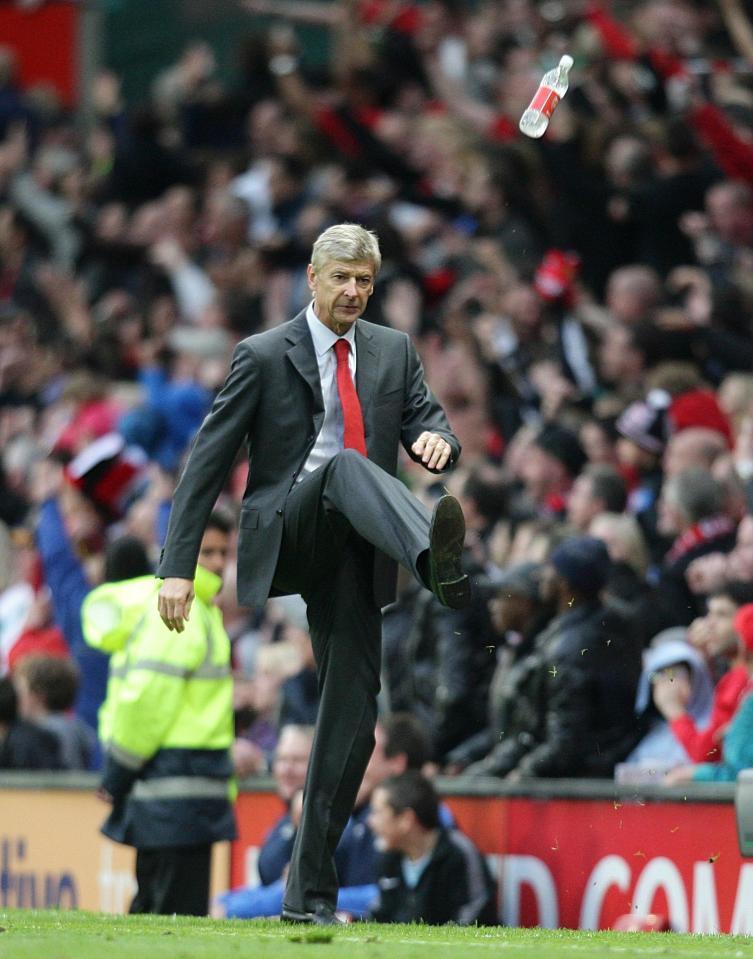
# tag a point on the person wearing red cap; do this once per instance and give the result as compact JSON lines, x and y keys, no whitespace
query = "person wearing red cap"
{"x":700,"y":408}
{"x":737,"y":746}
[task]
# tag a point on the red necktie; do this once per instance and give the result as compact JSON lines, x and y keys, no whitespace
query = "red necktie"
{"x":353,"y":435}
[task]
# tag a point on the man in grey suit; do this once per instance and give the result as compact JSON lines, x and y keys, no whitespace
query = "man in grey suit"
{"x":322,"y":403}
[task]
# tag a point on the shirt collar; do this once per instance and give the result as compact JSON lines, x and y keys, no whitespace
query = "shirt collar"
{"x":323,"y":337}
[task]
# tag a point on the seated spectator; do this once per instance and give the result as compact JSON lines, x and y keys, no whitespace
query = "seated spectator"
{"x":257,"y":701}
{"x":289,"y":771}
{"x":737,"y":744}
{"x":552,"y":462}
{"x":578,"y":695}
{"x":670,"y":663}
{"x":23,"y":745}
{"x":626,"y":545}
{"x":714,"y":635}
{"x":428,"y":874}
{"x":518,"y":616}
{"x":697,"y":447}
{"x":46,"y":687}
{"x":401,"y":743}
{"x":299,"y":696}
{"x":16,"y":598}
{"x":691,"y":510}
{"x":711,"y":571}
{"x":643,"y":430}
{"x":411,"y":642}
{"x":598,"y":489}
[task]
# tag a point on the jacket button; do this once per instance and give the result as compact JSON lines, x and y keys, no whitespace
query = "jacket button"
{"x":279,"y":512}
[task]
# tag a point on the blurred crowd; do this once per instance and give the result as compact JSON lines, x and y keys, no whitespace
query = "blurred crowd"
{"x":583,"y":307}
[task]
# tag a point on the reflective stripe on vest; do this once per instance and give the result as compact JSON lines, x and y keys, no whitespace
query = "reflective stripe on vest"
{"x":124,"y":757}
{"x":180,"y":787}
{"x":204,"y":671}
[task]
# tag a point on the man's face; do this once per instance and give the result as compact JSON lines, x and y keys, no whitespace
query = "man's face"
{"x":616,"y":355}
{"x":722,"y":637}
{"x":341,"y":291}
{"x":581,"y":505}
{"x":740,"y":562}
{"x":542,"y":474}
{"x":388,"y":826}
{"x":290,"y":762}
{"x":670,"y":520}
{"x":213,"y":551}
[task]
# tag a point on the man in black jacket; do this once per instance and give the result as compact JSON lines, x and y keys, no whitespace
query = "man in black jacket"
{"x":22,"y":744}
{"x":575,"y":703}
{"x":428,"y":873}
{"x":572,"y":709}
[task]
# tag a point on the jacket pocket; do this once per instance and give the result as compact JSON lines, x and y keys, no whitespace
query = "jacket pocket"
{"x":249,"y":519}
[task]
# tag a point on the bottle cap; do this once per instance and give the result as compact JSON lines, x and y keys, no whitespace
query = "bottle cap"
{"x":566,"y":62}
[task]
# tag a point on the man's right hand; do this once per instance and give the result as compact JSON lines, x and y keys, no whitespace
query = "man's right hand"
{"x":174,"y":602}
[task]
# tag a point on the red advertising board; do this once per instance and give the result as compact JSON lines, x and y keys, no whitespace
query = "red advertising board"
{"x":45,"y":42}
{"x":581,"y":863}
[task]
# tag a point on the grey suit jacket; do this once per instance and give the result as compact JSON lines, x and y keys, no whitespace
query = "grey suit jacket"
{"x":272,"y":402}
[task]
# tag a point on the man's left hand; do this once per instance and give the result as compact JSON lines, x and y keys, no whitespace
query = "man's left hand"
{"x":433,"y":449}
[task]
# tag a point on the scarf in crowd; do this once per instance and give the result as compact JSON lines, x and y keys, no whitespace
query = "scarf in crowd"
{"x":702,"y":532}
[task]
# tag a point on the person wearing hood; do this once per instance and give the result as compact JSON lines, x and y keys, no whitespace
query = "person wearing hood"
{"x":166,"y":725}
{"x":737,"y":742}
{"x":669,"y":659}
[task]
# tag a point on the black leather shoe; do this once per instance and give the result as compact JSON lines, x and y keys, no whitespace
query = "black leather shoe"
{"x":449,"y":583}
{"x":321,"y":916}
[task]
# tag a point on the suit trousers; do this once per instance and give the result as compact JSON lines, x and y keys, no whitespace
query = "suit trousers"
{"x":333,"y":519}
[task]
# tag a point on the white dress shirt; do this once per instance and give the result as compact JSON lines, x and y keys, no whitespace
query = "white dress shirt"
{"x":330,"y":438}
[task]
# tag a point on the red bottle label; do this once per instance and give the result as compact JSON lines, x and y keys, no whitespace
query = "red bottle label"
{"x":545,"y":101}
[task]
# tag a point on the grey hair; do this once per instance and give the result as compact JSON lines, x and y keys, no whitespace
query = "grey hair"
{"x":696,"y":493}
{"x":348,"y":243}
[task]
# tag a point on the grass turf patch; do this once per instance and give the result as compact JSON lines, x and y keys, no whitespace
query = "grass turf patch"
{"x":82,"y":935}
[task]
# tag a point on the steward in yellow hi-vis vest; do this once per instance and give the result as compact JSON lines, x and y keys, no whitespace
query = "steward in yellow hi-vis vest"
{"x":166,"y":727}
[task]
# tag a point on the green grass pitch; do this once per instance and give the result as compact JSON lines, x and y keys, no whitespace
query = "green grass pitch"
{"x":82,"y":935}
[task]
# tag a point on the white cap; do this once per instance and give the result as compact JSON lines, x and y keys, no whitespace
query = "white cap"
{"x":566,"y":62}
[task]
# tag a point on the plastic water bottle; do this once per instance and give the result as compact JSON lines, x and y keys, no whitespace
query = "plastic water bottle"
{"x":551,"y":90}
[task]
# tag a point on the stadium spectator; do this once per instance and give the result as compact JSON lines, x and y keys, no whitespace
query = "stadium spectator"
{"x":289,"y":772}
{"x":715,"y":636}
{"x":23,"y":745}
{"x":401,"y":743}
{"x":428,"y":873}
{"x":691,"y":510}
{"x":46,"y":688}
{"x":579,"y":690}
{"x":598,"y":489}
{"x":736,"y":742}
{"x":671,"y":667}
{"x":518,"y":616}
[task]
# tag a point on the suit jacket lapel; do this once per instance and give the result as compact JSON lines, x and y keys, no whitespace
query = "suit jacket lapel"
{"x":301,"y":354}
{"x":367,"y":368}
